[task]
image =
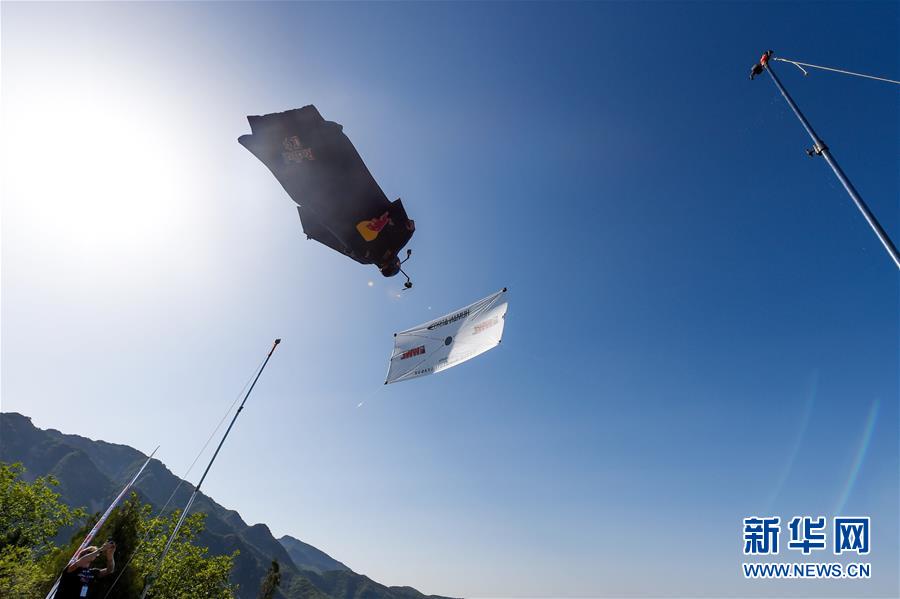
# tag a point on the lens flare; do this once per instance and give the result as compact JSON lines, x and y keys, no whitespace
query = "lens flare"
{"x":861,"y":451}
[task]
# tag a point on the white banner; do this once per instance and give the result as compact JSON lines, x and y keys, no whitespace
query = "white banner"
{"x":449,"y":340}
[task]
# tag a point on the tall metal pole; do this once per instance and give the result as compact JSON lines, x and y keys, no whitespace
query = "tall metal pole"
{"x":822,"y":150}
{"x":190,"y":502}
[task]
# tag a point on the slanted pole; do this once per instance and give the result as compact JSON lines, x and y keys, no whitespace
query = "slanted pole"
{"x":822,"y":150}
{"x":190,"y":502}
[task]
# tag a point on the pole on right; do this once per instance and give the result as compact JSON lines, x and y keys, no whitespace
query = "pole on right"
{"x":820,"y":149}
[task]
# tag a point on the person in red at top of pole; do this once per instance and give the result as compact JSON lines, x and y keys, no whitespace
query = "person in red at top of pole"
{"x":758,"y":67}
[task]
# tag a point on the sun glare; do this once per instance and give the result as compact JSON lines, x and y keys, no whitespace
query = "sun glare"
{"x":93,"y":169}
{"x":106,"y":178}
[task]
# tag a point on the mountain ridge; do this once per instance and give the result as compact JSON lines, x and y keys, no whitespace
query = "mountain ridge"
{"x":92,"y":472}
{"x":307,"y":557}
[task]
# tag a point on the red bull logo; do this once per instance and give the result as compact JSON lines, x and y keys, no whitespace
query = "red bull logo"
{"x":369,"y":229}
{"x":294,"y":151}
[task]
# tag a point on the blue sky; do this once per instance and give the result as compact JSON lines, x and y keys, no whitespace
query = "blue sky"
{"x":701,"y":327}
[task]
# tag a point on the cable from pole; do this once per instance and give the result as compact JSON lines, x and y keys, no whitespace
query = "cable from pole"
{"x":172,"y":536}
{"x":797,"y":64}
{"x":183,"y":478}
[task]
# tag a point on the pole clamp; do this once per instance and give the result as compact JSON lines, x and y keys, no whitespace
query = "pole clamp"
{"x":816,"y":150}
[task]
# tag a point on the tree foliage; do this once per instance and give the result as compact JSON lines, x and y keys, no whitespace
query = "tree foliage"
{"x":271,"y":581}
{"x":31,"y":515}
{"x":188,"y":571}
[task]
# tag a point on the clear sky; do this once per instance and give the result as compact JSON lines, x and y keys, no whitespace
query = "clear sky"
{"x":701,"y":325}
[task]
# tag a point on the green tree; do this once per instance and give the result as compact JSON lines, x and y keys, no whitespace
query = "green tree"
{"x":31,"y":515}
{"x":188,"y":571}
{"x":21,"y":575}
{"x":271,"y":581}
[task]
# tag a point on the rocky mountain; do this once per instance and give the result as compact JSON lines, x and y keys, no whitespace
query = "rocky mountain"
{"x":307,"y":557}
{"x":92,"y":472}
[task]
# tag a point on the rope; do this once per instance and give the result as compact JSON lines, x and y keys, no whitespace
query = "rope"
{"x":181,"y":481}
{"x":797,"y":64}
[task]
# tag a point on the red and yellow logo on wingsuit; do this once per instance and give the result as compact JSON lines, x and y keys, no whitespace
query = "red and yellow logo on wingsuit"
{"x":369,"y":229}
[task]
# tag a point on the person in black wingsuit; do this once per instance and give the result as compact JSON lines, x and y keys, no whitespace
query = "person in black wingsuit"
{"x":339,"y":202}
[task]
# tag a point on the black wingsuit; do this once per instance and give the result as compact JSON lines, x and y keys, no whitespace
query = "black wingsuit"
{"x":339,"y":202}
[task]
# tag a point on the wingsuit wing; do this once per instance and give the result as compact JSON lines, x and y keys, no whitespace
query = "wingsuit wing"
{"x":341,"y":204}
{"x":314,"y":229}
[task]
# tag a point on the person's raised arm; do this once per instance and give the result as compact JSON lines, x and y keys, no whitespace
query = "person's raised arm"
{"x":85,"y":559}
{"x":110,"y":549}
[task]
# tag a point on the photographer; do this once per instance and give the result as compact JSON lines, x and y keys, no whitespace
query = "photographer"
{"x":78,"y":577}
